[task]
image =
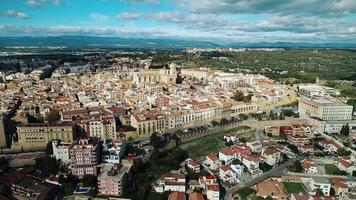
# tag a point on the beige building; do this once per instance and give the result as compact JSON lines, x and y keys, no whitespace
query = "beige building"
{"x":152,"y":76}
{"x":2,"y":132}
{"x":325,"y":109}
{"x":112,"y":179}
{"x":37,"y":136}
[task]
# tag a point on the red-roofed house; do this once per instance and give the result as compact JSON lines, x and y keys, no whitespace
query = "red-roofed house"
{"x":309,"y":166}
{"x":171,"y":182}
{"x":213,"y":192}
{"x":212,"y":161}
{"x":339,"y":185}
{"x":177,"y":196}
{"x":329,"y":146}
{"x":193,"y":165}
{"x":346,"y":166}
{"x":272,"y":155}
{"x":226,"y":173}
{"x":241,"y":151}
{"x":226,"y":155}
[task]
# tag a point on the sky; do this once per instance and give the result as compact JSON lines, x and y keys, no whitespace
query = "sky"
{"x":211,"y":20}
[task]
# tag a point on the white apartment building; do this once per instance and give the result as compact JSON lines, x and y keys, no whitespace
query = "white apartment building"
{"x":325,"y":109}
{"x":61,"y":151}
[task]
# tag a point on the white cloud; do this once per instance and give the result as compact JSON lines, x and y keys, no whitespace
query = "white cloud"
{"x":99,"y":17}
{"x":16,"y":14}
{"x":42,"y":3}
{"x":128,"y":16}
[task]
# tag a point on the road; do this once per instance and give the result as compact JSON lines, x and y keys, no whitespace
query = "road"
{"x":348,"y":178}
{"x":278,"y":171}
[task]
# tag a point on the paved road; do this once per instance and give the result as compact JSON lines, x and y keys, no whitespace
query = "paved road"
{"x":349,"y":178}
{"x":278,"y":171}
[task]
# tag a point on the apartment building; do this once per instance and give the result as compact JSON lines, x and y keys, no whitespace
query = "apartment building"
{"x":325,"y":109}
{"x":61,"y":151}
{"x":84,"y":154}
{"x":2,"y":132}
{"x":112,"y":179}
{"x":37,"y":136}
{"x":104,"y":128}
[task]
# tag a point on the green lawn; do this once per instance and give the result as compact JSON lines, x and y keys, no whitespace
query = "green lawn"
{"x":211,"y":143}
{"x":331,"y":169}
{"x":292,"y":187}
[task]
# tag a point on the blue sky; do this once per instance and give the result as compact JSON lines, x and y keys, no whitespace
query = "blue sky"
{"x":223,"y":20}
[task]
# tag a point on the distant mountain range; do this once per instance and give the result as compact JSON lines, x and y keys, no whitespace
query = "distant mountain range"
{"x":91,"y":41}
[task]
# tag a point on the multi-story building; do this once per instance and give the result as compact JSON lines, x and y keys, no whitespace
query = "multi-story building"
{"x":61,"y":151}
{"x":113,"y":151}
{"x":171,"y":182}
{"x":325,"y":109}
{"x":30,"y":188}
{"x":112,"y":179}
{"x":319,"y":183}
{"x":84,"y":154}
{"x":104,"y":128}
{"x":2,"y":132}
{"x":37,"y":136}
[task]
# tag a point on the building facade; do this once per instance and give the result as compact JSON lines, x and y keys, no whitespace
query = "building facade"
{"x":84,"y":154}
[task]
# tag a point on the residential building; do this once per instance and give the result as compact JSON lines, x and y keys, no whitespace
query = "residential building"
{"x":272,"y":155}
{"x":104,"y":128}
{"x":230,"y":137}
{"x":213,"y":192}
{"x":30,"y":188}
{"x":177,"y":196}
{"x":340,"y":185}
{"x":309,"y":166}
{"x":241,"y":151}
{"x":171,"y":182}
{"x":272,"y":131}
{"x":325,"y":109}
{"x":196,"y":196}
{"x":227,"y":174}
{"x":61,"y":151}
{"x":329,"y":146}
{"x":255,"y":146}
{"x":315,"y":183}
{"x":271,"y":188}
{"x":37,"y":136}
{"x":112,"y":179}
{"x":113,"y":151}
{"x":2,"y":132}
{"x":226,"y":155}
{"x":84,"y":154}
{"x":252,"y":164}
{"x":212,"y":161}
{"x":347,"y":166}
{"x":193,"y":165}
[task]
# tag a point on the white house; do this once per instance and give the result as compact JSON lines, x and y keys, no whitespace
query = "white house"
{"x":61,"y":151}
{"x":230,"y":138}
{"x":193,"y":165}
{"x":345,"y":165}
{"x":272,"y":156}
{"x":171,"y":182}
{"x":226,"y":155}
{"x":239,"y":169}
{"x":255,"y":146}
{"x":319,"y":183}
{"x":309,"y":166}
{"x":212,"y":161}
{"x":252,"y":163}
{"x":213,"y":192}
{"x":226,"y":173}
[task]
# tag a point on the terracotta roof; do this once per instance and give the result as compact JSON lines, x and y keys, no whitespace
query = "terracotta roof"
{"x":176,"y":196}
{"x":227,"y":151}
{"x":214,"y":187}
{"x":196,"y":196}
{"x":339,"y":183}
{"x":212,"y":157}
{"x":345,"y":163}
{"x":226,"y":168}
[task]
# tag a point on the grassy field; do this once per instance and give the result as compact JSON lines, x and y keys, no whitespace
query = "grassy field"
{"x":211,"y":143}
{"x":331,"y":169}
{"x":294,"y":187}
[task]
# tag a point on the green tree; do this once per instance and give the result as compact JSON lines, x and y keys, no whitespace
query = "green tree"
{"x":52,"y":116}
{"x":49,"y":148}
{"x":319,"y":192}
{"x":47,"y":165}
{"x":243,"y":116}
{"x":343,"y":152}
{"x":345,"y":130}
{"x":89,"y":180}
{"x":238,"y":96}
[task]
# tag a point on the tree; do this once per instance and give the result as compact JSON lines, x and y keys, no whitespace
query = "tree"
{"x":89,"y":180}
{"x":224,"y":121}
{"x":47,"y":165}
{"x":293,"y":148}
{"x":156,"y":141}
{"x":281,"y":116}
{"x":354,"y":173}
{"x":243,"y":116}
{"x":49,"y":148}
{"x":271,"y":115}
{"x":343,"y":152}
{"x":269,"y":198}
{"x":319,"y":192}
{"x":345,"y":130}
{"x":52,"y":116}
{"x":238,"y":96}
